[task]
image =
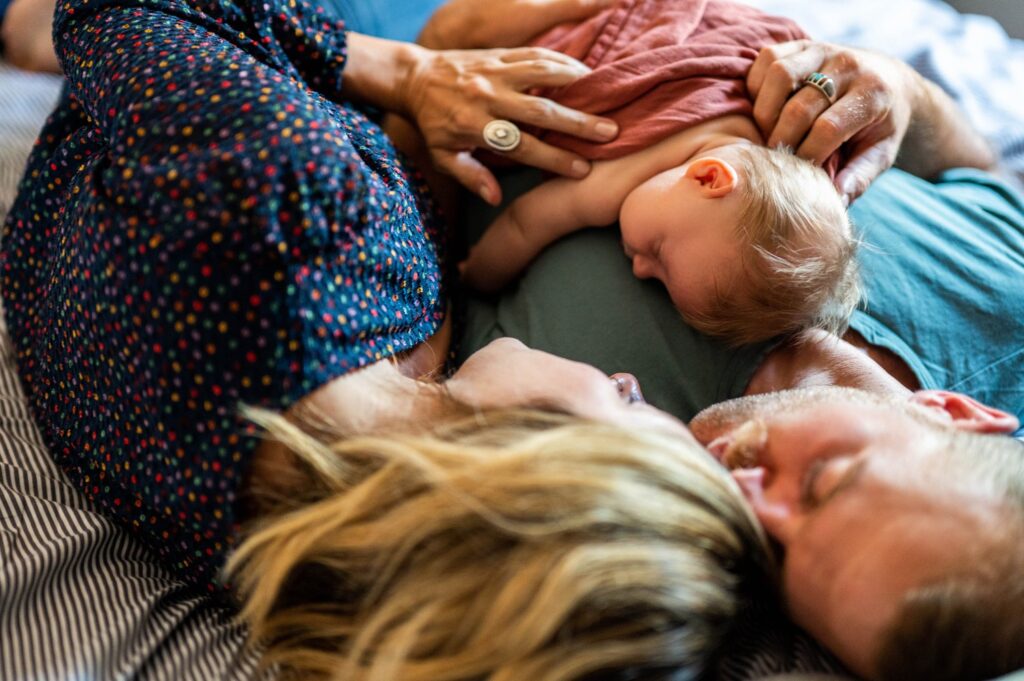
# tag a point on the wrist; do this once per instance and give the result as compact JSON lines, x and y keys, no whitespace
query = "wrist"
{"x":939,"y":135}
{"x":918,"y":93}
{"x":378,"y":71}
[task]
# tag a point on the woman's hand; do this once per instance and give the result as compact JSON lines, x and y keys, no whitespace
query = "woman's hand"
{"x":451,"y":95}
{"x":467,"y":24}
{"x":875,"y":98}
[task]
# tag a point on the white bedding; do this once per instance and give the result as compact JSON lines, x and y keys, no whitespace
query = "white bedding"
{"x":78,"y":599}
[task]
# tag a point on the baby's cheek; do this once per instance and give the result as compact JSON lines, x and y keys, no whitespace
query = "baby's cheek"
{"x":641,"y":219}
{"x":690,"y":288}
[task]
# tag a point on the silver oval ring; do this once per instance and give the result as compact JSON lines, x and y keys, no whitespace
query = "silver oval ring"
{"x":823,"y":84}
{"x":502,"y":135}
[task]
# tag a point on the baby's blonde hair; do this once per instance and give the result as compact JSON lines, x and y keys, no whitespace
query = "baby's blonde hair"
{"x":799,"y":256}
{"x":503,"y":546}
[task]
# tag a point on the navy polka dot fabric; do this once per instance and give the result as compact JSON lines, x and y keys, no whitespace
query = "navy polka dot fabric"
{"x":203,"y":223}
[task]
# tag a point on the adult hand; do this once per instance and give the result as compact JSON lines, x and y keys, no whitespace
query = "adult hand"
{"x":872,"y":110}
{"x":466,"y":24}
{"x":451,"y":95}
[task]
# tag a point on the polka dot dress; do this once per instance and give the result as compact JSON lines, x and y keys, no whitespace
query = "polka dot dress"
{"x":203,"y":223}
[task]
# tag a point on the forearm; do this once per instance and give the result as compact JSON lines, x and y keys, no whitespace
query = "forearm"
{"x":524,"y":229}
{"x":939,"y":136}
{"x":377,"y":70}
{"x":26,"y":35}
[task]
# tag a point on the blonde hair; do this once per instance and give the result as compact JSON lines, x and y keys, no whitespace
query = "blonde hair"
{"x":506,"y":546}
{"x":799,"y":263}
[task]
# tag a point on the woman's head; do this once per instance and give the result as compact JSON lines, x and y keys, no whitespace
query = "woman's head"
{"x":502,"y":545}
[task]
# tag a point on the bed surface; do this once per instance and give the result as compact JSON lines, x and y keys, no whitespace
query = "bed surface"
{"x":80,"y":600}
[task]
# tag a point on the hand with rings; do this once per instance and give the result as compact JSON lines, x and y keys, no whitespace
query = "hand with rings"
{"x":815,"y":97}
{"x":462,"y":100}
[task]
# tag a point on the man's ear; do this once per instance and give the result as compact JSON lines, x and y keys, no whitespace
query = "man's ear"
{"x":716,"y":177}
{"x":779,"y":519}
{"x":966,"y":413}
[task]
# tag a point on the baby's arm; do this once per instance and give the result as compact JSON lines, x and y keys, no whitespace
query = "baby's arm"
{"x":558,"y":207}
{"x":532,"y":222}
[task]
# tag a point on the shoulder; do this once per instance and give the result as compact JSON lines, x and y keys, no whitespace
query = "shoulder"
{"x":815,"y":358}
{"x":941,"y":263}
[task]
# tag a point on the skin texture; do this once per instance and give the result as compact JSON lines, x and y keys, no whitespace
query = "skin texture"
{"x":505,"y":373}
{"x":815,"y":358}
{"x":882,"y":108}
{"x":451,"y":95}
{"x":863,"y":509}
{"x":638,"y":189}
{"x":25,"y":31}
{"x":679,"y":227}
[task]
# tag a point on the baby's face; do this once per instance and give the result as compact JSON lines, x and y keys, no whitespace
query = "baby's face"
{"x":674,"y":233}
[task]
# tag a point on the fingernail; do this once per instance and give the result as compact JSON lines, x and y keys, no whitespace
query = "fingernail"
{"x":486,"y":194}
{"x":580,"y":168}
{"x":607,"y":130}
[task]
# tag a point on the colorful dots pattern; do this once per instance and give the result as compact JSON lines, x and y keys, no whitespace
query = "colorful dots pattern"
{"x":204,"y":222}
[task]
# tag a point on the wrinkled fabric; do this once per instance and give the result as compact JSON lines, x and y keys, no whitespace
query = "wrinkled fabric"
{"x":662,"y":66}
{"x":204,"y":223}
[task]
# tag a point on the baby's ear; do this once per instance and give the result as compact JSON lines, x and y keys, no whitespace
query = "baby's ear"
{"x":716,"y":177}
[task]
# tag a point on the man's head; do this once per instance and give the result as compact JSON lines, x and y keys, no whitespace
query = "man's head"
{"x":901,"y":523}
{"x":750,"y":243}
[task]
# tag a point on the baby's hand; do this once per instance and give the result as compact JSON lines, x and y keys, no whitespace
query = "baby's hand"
{"x":502,"y":253}
{"x":535,"y":220}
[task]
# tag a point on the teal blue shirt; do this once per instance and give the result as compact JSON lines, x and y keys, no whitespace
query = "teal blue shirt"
{"x":943,"y":264}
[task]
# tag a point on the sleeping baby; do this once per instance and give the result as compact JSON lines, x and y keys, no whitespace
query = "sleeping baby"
{"x":750,"y":242}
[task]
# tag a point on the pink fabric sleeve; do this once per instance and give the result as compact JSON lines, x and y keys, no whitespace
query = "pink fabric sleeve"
{"x":661,"y":66}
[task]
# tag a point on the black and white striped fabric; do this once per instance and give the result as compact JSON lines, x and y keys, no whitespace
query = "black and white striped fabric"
{"x":79,"y":599}
{"x":25,"y":99}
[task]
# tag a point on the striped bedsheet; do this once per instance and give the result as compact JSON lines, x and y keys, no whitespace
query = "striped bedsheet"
{"x":79,"y":599}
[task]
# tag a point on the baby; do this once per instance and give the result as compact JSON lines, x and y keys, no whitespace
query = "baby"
{"x":750,"y":242}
